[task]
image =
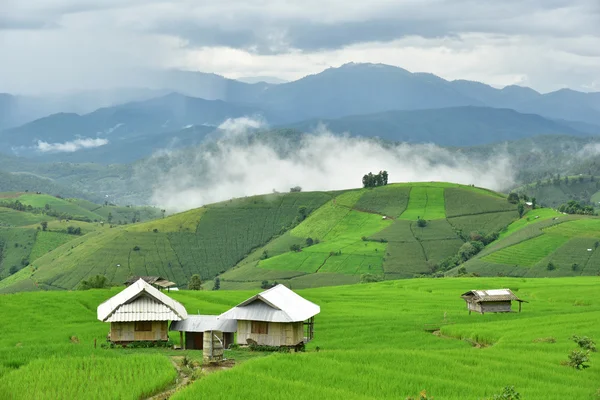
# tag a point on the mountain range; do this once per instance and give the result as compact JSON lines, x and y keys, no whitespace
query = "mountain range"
{"x":362,"y":99}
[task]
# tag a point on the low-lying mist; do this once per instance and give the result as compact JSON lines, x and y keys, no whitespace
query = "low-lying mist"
{"x":237,"y":165}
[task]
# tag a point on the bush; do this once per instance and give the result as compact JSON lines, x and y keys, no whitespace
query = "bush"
{"x":550,"y":266}
{"x":513,"y":198}
{"x":295,"y":247}
{"x":369,"y":278}
{"x":95,"y":282}
{"x":578,"y":359}
{"x":509,"y":393}
{"x":309,"y":241}
{"x":195,"y":282}
{"x":136,"y":248}
{"x":584,"y":342}
{"x":421,"y":223}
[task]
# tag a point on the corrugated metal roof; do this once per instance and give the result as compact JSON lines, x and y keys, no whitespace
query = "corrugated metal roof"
{"x":491,"y":295}
{"x":141,"y":302}
{"x":204,"y":323}
{"x":278,"y":304}
{"x":153,"y":280}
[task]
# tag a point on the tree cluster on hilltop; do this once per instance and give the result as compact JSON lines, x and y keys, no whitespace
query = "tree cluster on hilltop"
{"x":574,"y":207}
{"x":370,"y":180}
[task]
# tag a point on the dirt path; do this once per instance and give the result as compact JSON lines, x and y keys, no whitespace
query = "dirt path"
{"x":182,"y":380}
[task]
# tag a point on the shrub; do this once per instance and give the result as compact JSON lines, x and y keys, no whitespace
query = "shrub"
{"x":295,"y":247}
{"x":95,"y":282}
{"x":509,"y":393}
{"x":421,"y":223}
{"x":195,"y":282}
{"x":369,"y":278}
{"x":136,"y":248}
{"x":584,"y":342}
{"x":550,"y":266}
{"x":309,"y":241}
{"x":578,"y":359}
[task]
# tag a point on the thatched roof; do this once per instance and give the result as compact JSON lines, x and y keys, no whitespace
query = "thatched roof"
{"x":278,"y":304}
{"x":478,"y":296}
{"x":141,"y":302}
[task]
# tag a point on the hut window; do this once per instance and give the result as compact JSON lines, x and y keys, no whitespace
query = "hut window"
{"x":143,"y":326}
{"x":260,"y":327}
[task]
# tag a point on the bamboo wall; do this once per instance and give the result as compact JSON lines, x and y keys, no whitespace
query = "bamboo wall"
{"x":491,"y":306}
{"x":125,"y":332}
{"x":279,"y":334}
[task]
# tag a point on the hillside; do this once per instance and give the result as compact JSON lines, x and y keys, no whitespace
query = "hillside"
{"x":455,"y":126}
{"x":23,"y":239}
{"x":543,"y":243}
{"x":337,"y":237}
{"x":560,"y":190}
{"x":371,"y":342}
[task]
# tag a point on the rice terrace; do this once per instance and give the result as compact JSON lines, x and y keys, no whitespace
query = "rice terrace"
{"x":378,"y":335}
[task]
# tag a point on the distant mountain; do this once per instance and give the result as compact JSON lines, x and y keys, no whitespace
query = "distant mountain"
{"x":456,"y":126}
{"x":261,"y":79}
{"x":165,"y":114}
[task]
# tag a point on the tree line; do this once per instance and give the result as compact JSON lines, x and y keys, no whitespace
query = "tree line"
{"x":370,"y":180}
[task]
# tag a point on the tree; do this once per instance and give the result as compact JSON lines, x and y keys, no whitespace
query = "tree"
{"x":295,"y":189}
{"x":309,"y":241}
{"x":13,"y":270}
{"x":421,"y":223}
{"x":95,"y":282}
{"x":217,"y":284}
{"x":533,"y":203}
{"x":302,"y":213}
{"x":521,"y":209}
{"x":44,"y":225}
{"x":295,"y":247}
{"x":513,"y":198}
{"x":195,"y":282}
{"x":109,"y":218}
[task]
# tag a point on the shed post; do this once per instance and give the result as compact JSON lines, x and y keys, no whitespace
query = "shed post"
{"x":519,"y":306}
{"x":181,"y":342}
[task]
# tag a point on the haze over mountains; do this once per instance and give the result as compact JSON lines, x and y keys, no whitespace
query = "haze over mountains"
{"x":362,"y":99}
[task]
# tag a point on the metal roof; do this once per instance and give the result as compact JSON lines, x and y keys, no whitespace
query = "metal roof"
{"x":479,"y":296}
{"x":278,"y":304}
{"x":204,"y":323}
{"x":141,"y":302}
{"x":153,"y":280}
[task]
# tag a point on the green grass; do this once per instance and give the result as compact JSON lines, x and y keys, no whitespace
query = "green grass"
{"x":10,"y":218}
{"x":48,"y":241}
{"x":529,"y":252}
{"x":60,"y":205}
{"x":425,"y":202}
{"x":462,"y":201}
{"x":530,"y":217}
{"x":486,"y":223}
{"x":16,"y":245}
{"x":390,"y":200}
{"x":400,"y":360}
{"x":589,"y":228}
{"x":319,"y":223}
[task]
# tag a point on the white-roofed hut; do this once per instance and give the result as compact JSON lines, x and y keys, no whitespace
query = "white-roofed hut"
{"x":140,"y":312}
{"x":495,"y":300}
{"x":275,"y":317}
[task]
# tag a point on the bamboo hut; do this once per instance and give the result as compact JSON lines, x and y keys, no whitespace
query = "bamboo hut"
{"x":275,"y":317}
{"x":140,"y":312}
{"x":196,"y":326}
{"x":496,"y":300}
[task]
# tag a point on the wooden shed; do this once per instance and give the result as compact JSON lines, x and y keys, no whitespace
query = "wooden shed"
{"x":275,"y":317}
{"x":496,"y":300}
{"x":140,"y":312}
{"x":195,"y":326}
{"x":157,"y":281}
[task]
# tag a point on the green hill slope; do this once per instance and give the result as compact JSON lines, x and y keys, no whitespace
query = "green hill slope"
{"x":543,"y":243}
{"x":306,"y":239}
{"x":557,"y":191}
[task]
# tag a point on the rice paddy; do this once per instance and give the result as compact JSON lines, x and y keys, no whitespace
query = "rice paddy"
{"x":372,"y":342}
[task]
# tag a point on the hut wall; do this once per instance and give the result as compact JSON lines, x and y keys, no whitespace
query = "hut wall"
{"x":278,"y":334}
{"x":194,"y":340}
{"x":495,"y":306}
{"x":471,"y":306}
{"x":213,"y":346}
{"x":126,"y":331}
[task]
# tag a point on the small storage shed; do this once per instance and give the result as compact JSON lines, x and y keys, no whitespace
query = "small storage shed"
{"x":140,"y":312}
{"x":275,"y":317}
{"x":195,"y":326}
{"x":496,"y":300}
{"x":156,"y":281}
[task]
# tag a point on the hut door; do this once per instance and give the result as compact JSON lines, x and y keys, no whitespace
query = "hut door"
{"x":199,"y":341}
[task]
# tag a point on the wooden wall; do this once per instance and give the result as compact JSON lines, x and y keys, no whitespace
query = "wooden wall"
{"x":490,"y":306}
{"x":125,"y":332}
{"x":279,"y":334}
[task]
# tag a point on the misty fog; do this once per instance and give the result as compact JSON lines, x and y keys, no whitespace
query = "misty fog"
{"x":322,"y":161}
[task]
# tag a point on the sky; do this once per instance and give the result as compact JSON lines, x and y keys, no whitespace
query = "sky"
{"x":69,"y":45}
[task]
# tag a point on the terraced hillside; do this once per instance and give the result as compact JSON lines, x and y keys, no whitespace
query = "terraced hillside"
{"x":375,"y":232}
{"x":31,"y":225}
{"x":543,"y":243}
{"x":305,"y":239}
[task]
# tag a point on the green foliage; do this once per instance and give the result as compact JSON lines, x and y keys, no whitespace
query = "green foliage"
{"x":195,"y":282}
{"x":521,"y":209}
{"x":550,"y":266}
{"x":95,"y":282}
{"x":390,"y":200}
{"x":513,"y":198}
{"x":574,"y":207}
{"x":584,"y":342}
{"x":371,"y":181}
{"x":508,"y":393}
{"x":217,"y":284}
{"x":578,"y":359}
{"x":421,"y":223}
{"x":44,"y":225}
{"x":369,"y":278}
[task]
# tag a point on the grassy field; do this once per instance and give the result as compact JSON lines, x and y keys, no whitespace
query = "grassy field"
{"x":372,"y":339}
{"x":425,"y":202}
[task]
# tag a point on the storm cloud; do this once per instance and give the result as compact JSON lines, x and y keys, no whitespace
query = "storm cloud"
{"x":547,"y":44}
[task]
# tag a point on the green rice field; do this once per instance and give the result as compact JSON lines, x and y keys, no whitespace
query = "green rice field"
{"x":374,"y":341}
